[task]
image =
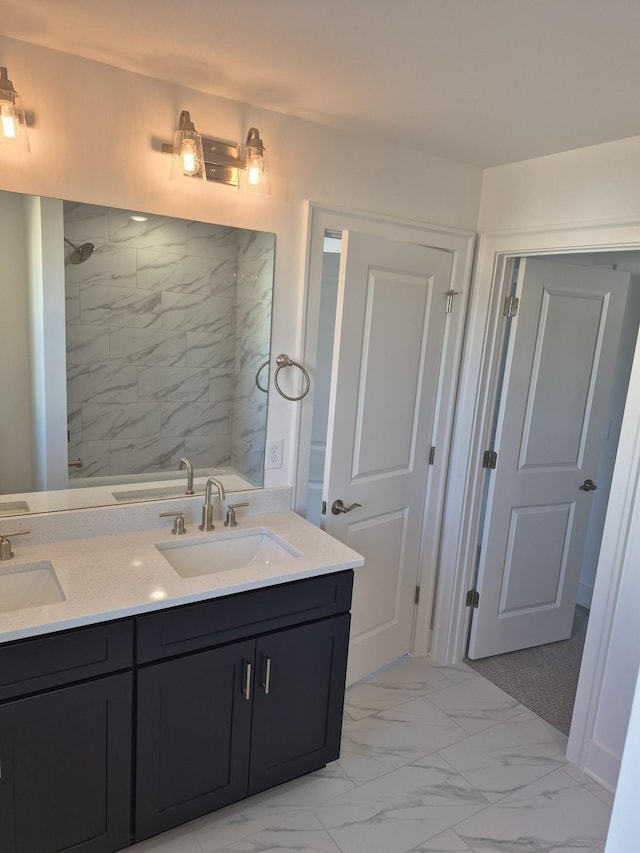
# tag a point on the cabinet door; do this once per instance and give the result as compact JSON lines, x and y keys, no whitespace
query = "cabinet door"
{"x":193,"y":730}
{"x":66,"y":769}
{"x":299,"y":696}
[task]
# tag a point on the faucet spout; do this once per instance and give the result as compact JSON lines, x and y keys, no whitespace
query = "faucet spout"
{"x":207,"y":507}
{"x":185,"y":463}
{"x":213,"y":481}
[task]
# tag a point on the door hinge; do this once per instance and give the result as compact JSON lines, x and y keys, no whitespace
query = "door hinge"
{"x":324,"y":507}
{"x":510,"y":308}
{"x":473,"y":598}
{"x":489,"y":459}
{"x":416,"y":598}
{"x":432,"y":456}
{"x":449,"y":305}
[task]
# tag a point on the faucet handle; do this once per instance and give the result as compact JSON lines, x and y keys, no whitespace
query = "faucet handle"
{"x":178,"y":525}
{"x":230,"y":520}
{"x":5,"y":545}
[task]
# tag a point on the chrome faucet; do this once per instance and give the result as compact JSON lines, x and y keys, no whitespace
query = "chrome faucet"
{"x":207,"y":508}
{"x":185,"y":463}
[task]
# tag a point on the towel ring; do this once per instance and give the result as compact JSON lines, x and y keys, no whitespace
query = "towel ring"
{"x":284,"y":361}
{"x":260,"y":369}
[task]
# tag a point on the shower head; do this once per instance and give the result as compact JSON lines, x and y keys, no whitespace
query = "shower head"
{"x":80,"y":253}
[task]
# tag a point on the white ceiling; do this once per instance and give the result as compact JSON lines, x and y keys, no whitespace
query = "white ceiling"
{"x":479,"y":81}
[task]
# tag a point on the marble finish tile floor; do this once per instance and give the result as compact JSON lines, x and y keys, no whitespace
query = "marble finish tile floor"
{"x":434,"y":760}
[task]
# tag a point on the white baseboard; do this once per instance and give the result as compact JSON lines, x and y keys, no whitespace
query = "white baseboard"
{"x":603,"y":766}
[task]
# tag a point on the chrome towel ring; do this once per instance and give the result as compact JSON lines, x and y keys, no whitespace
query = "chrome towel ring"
{"x":283,"y":360}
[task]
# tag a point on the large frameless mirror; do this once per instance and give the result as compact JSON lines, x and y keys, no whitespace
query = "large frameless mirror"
{"x":130,"y":342}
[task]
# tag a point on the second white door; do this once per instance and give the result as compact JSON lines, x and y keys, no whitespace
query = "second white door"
{"x":552,"y":417}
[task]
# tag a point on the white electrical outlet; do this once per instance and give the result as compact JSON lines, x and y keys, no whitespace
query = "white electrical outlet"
{"x":273,"y":456}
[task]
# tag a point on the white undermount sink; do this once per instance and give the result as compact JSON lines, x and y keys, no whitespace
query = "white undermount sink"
{"x":223,"y":552}
{"x":29,"y":585}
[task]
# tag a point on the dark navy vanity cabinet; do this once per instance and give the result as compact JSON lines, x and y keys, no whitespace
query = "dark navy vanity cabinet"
{"x":112,"y":733}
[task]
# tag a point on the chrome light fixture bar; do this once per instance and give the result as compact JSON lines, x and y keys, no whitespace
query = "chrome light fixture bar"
{"x":221,"y":160}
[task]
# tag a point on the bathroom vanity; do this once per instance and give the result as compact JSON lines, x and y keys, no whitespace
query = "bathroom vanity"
{"x":116,"y":727}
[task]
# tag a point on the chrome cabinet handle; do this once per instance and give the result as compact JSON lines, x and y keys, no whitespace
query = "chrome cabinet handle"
{"x":337,"y":507}
{"x":588,"y":486}
{"x":247,"y":681}
{"x":266,"y":684}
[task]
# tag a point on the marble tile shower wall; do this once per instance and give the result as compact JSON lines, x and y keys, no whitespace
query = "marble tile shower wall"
{"x":151,"y":322}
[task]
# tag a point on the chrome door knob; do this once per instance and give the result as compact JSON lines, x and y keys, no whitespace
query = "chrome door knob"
{"x":588,"y":486}
{"x":337,"y":507}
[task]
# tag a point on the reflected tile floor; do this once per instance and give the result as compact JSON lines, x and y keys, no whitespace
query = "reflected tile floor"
{"x":434,"y":760}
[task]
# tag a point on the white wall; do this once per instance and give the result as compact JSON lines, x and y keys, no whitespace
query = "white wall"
{"x":96,"y":133}
{"x":592,"y":184}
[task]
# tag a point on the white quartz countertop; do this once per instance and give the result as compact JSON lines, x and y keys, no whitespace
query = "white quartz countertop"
{"x":109,"y":577}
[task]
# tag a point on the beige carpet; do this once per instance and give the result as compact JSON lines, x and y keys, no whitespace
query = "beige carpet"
{"x":543,"y":678}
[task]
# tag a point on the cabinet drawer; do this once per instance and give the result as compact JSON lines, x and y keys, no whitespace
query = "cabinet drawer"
{"x":196,"y":626}
{"x":27,"y":666}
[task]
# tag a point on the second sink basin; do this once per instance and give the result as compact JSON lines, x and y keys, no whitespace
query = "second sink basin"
{"x":225,"y":552}
{"x":29,"y":585}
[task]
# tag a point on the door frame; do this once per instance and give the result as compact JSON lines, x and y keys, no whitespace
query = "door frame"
{"x":320,"y":218}
{"x":476,"y":395}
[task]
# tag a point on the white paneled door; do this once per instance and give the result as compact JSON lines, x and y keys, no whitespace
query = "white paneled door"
{"x":390,"y":332}
{"x":552,"y":418}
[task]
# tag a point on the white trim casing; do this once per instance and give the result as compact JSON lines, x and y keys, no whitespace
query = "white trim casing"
{"x":461,"y":244}
{"x":464,"y":491}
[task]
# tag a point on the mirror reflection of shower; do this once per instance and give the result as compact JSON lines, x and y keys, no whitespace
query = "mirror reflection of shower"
{"x":81,"y":253}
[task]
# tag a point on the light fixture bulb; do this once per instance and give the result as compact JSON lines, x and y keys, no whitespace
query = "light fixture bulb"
{"x":13,"y":126}
{"x":188,"y":157}
{"x":9,"y":121}
{"x":254,"y":178}
{"x":255,"y":170}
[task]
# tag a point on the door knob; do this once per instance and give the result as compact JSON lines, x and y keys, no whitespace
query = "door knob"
{"x":588,"y":486}
{"x":337,"y":507}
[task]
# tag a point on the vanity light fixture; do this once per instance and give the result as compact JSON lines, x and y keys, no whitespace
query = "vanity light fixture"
{"x":221,"y":160}
{"x":13,"y":126}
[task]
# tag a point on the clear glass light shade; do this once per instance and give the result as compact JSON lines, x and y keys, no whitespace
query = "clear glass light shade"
{"x":13,"y":126}
{"x":254,"y":178}
{"x":188,"y":157}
